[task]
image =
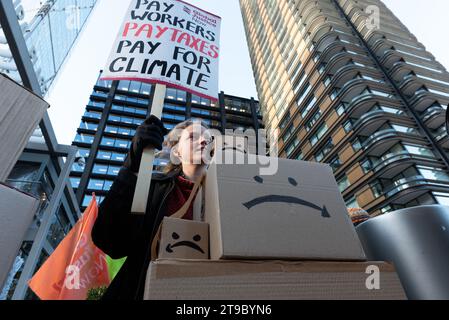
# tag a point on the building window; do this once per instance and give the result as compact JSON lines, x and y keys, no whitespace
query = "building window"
{"x":377,"y":189}
{"x":347,"y":125}
{"x":341,"y":108}
{"x":116,"y":107}
{"x":95,"y":184}
{"x":284,"y":122}
{"x":107,"y":185}
{"x":299,"y":83}
{"x":304,"y":94}
{"x":321,"y":154}
{"x":309,"y":106}
{"x":352,"y":203}
{"x":118,"y":157}
{"x":60,"y":226}
{"x":88,"y":126}
{"x":84,"y":138}
{"x":175,"y":117}
{"x":343,"y":184}
{"x":84,"y":152}
{"x":334,"y":94}
{"x":134,"y":86}
{"x":127,"y":120}
{"x":107,"y":142}
{"x":291,"y":147}
{"x":433,"y":174}
{"x":123,"y":85}
{"x":119,"y":143}
{"x":114,"y":118}
{"x":171,"y":106}
{"x":111,"y":129}
{"x":104,"y":155}
{"x":98,"y":104}
{"x":75,"y":182}
{"x":288,"y":133}
{"x":366,"y":165}
{"x":199,"y":100}
{"x":319,"y":134}
{"x":442,"y":198}
{"x":335,"y":163}
{"x":356,"y":145}
{"x":175,"y":94}
{"x":92,"y":115}
{"x":404,"y":129}
{"x":145,"y":88}
{"x":138,"y":121}
{"x":418,"y":150}
{"x":316,"y":116}
{"x":386,"y":209}
{"x":113,"y":170}
{"x":104,"y":83}
{"x":100,"y":169}
{"x":87,"y":199}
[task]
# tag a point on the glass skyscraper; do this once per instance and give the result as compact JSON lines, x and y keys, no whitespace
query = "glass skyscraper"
{"x":49,"y":35}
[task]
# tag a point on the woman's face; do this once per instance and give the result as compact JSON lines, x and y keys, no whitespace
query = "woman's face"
{"x":193,"y":143}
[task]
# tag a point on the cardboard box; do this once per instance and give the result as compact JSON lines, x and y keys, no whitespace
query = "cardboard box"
{"x":16,"y":214}
{"x":184,"y":239}
{"x":271,"y":280}
{"x":20,"y":113}
{"x":297,"y":213}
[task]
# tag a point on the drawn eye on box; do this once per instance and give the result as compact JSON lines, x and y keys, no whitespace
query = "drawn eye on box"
{"x":277,"y":198}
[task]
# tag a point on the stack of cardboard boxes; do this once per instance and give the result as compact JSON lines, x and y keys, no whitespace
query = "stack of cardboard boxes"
{"x":283,"y":234}
{"x":20,"y":113}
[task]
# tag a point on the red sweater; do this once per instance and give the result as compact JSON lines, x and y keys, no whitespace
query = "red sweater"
{"x":179,"y":196}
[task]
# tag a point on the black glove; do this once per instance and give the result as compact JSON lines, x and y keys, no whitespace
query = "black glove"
{"x":149,"y":134}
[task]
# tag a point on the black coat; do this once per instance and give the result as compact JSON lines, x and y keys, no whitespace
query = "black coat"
{"x":120,"y":234}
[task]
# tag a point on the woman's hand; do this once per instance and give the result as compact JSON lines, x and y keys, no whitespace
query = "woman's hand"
{"x":149,"y":134}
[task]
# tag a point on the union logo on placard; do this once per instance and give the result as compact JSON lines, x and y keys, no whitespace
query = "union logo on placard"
{"x":187,"y":10}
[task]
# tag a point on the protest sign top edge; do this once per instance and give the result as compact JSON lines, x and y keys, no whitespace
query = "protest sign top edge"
{"x":199,"y":8}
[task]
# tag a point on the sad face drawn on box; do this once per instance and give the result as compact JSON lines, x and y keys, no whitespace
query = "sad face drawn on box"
{"x":274,"y":198}
{"x":195,"y":244}
{"x":229,"y":147}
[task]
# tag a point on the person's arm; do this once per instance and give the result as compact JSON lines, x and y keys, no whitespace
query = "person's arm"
{"x":115,"y":229}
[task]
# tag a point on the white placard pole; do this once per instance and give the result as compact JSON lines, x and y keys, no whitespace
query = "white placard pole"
{"x":143,"y":184}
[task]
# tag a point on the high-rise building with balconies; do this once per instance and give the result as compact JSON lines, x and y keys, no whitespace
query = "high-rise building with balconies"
{"x":348,"y":84}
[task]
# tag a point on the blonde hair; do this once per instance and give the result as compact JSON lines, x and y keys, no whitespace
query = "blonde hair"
{"x":173,"y":140}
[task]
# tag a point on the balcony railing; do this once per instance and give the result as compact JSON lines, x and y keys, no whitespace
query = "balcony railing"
{"x":406,"y":183}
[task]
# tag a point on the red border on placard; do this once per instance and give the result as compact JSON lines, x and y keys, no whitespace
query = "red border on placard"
{"x":199,"y":9}
{"x":175,"y":86}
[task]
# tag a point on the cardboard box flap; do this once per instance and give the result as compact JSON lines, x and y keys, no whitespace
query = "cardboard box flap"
{"x":288,"y":172}
{"x":25,"y":88}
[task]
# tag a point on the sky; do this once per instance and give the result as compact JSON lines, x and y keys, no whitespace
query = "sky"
{"x":71,"y":90}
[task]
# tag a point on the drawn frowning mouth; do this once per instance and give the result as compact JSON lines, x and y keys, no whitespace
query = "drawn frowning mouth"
{"x":183,"y":244}
{"x":233,"y":149}
{"x":285,"y":199}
